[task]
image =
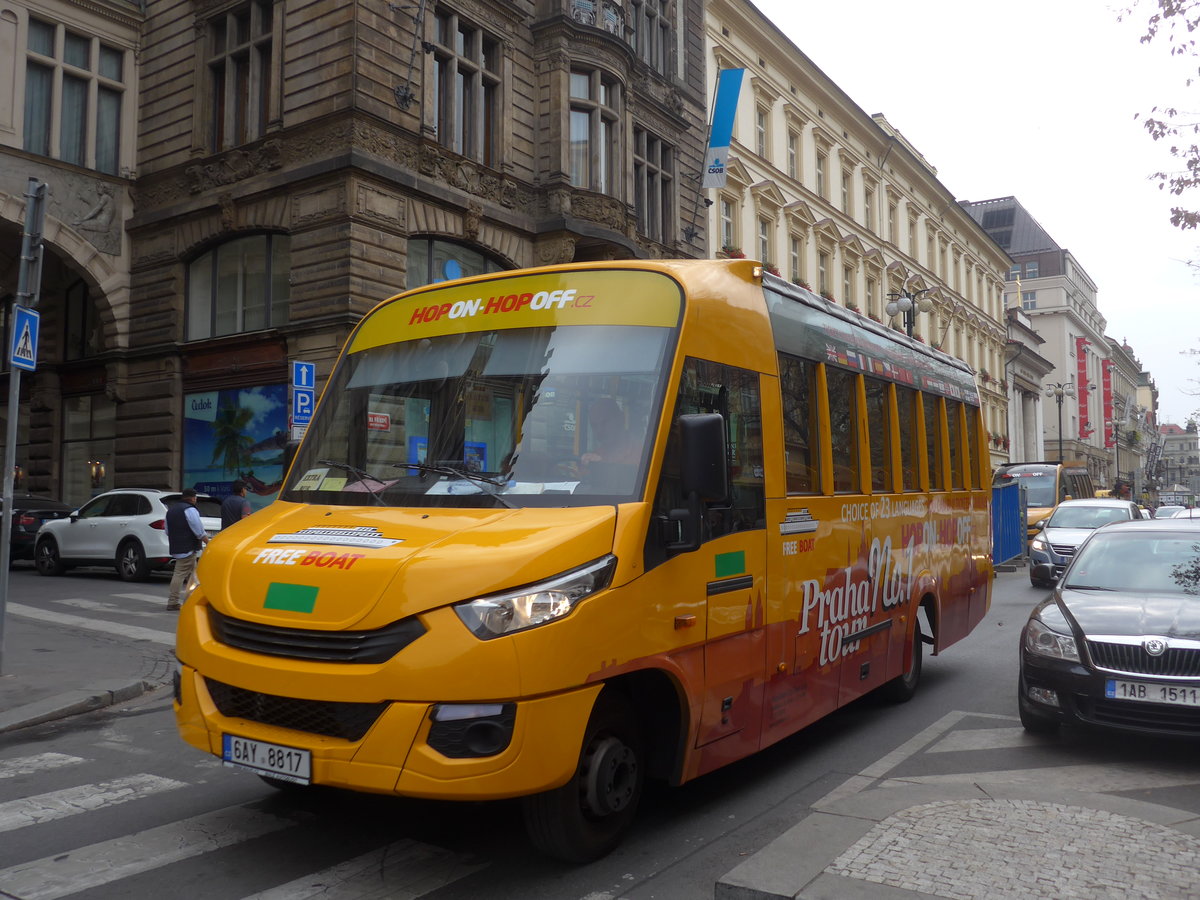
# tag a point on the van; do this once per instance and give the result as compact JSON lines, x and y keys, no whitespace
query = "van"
{"x":1046,"y":484}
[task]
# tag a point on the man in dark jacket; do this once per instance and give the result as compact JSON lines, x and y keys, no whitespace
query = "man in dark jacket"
{"x":235,"y":507}
{"x":185,"y":537}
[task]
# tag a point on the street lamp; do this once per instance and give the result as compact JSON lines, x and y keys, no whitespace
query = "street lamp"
{"x":1058,"y":391}
{"x":1116,"y":435}
{"x":908,"y":302}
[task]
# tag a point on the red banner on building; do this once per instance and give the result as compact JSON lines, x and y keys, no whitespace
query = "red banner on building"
{"x":1110,"y":431}
{"x":1081,"y":386}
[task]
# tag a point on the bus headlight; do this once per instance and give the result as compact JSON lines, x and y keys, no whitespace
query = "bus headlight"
{"x":535,"y":604}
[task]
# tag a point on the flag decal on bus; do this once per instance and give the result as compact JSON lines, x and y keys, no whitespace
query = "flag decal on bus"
{"x":291,"y":597}
{"x":726,"y":564}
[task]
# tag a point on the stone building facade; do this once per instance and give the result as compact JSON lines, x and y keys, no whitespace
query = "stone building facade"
{"x":283,"y":165}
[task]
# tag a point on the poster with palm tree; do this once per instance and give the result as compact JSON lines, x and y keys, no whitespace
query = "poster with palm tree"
{"x":236,"y":434}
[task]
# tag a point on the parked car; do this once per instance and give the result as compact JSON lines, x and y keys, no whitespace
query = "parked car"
{"x":124,"y":528}
{"x":1069,"y":525}
{"x":1191,"y":512}
{"x":1118,"y":641}
{"x":29,"y":512}
{"x":1165,"y":512}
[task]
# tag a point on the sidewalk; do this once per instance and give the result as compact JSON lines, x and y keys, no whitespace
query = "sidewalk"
{"x":52,"y":670}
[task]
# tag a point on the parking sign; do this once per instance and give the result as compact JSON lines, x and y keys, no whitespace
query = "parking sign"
{"x":303,"y":401}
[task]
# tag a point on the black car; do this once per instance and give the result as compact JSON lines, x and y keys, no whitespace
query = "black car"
{"x":1117,"y":643}
{"x":29,"y":512}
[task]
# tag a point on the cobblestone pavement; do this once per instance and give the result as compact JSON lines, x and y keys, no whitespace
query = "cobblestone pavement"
{"x":1016,"y":849}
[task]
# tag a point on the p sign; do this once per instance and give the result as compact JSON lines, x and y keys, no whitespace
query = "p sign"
{"x":303,"y":401}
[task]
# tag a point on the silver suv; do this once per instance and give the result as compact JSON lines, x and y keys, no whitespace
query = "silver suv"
{"x":125,"y":528}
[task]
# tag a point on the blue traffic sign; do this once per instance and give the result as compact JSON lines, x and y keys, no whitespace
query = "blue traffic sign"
{"x":303,"y":402}
{"x":304,"y":375}
{"x":23,"y":351}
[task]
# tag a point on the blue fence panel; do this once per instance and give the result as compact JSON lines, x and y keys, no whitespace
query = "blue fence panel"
{"x":1008,"y":523}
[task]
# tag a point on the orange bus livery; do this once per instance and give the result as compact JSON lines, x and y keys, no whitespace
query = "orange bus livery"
{"x":556,"y":531}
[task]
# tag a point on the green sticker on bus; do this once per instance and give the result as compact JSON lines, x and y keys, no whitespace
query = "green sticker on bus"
{"x":291,"y":597}
{"x":730,"y":563}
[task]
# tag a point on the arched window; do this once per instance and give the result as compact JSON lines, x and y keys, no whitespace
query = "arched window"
{"x":241,"y":285}
{"x":431,"y":260}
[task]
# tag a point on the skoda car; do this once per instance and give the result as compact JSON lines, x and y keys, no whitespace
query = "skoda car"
{"x":1057,"y":538}
{"x":1117,"y":643}
{"x":126,"y":529}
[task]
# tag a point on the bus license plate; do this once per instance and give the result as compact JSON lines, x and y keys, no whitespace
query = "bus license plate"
{"x":285,"y":763}
{"x":1174,"y":694}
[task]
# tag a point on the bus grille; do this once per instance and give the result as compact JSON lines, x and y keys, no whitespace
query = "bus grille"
{"x":1133,"y":658}
{"x":349,"y":721}
{"x":375,"y":646}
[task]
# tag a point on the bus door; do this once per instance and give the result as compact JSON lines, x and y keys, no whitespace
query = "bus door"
{"x":729,"y":568}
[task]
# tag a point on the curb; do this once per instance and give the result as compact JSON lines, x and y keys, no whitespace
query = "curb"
{"x":72,"y":703}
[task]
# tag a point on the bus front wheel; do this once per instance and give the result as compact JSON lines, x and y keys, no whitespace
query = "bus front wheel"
{"x":903,"y":687}
{"x":586,"y":818}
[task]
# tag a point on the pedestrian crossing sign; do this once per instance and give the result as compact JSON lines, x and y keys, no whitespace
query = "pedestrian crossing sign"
{"x":23,"y":352}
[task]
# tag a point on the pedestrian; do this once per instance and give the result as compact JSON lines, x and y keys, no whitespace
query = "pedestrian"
{"x":185,"y":538}
{"x":235,"y":507}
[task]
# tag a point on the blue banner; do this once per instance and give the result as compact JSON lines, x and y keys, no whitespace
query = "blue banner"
{"x":729,"y":86}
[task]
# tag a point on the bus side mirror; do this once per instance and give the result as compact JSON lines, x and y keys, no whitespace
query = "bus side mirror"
{"x":704,"y":478}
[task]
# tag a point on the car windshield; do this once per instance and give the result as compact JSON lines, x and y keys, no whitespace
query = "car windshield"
{"x":547,"y":416}
{"x":1067,"y":516}
{"x":1137,"y":563}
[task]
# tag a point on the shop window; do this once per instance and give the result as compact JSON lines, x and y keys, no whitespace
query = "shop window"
{"x":84,"y":334}
{"x":431,"y":261}
{"x":241,"y":285}
{"x":89,"y":432}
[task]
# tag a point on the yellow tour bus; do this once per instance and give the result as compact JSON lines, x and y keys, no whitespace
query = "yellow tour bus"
{"x":556,"y":531}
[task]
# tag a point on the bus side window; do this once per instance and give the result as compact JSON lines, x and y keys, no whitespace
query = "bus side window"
{"x":906,"y":405}
{"x":974,"y":462}
{"x":954,"y":432}
{"x":801,"y":439}
{"x":933,"y":442}
{"x":843,"y":428}
{"x":879,"y":434}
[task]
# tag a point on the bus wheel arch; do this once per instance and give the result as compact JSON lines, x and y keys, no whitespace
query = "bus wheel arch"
{"x":586,"y":818}
{"x":904,"y":686}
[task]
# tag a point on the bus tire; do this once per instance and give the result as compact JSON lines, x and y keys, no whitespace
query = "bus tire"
{"x":903,"y":687}
{"x":586,"y":818}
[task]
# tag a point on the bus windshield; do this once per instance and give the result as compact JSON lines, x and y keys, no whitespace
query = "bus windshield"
{"x":544,"y":416}
{"x":1040,"y":483}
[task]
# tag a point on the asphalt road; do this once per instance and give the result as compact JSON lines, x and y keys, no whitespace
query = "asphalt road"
{"x":113,"y":804}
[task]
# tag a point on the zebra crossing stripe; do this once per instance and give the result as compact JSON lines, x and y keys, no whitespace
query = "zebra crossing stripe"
{"x":63,"y":874}
{"x":103,"y":606}
{"x":156,"y":599}
{"x":86,"y":797}
{"x":403,"y":870}
{"x":29,"y":765}
{"x":137,"y":632}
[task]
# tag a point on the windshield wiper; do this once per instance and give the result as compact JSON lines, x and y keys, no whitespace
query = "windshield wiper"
{"x":472,"y":477}
{"x":363,"y":477}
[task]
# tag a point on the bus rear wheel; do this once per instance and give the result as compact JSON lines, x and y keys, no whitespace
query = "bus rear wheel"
{"x":586,"y":818}
{"x":903,"y":687}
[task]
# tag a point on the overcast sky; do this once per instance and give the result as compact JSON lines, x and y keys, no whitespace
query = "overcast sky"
{"x":1036,"y":99}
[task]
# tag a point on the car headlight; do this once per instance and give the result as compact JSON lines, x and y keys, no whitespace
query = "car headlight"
{"x":1044,"y":641}
{"x":1039,"y":544}
{"x":535,"y":604}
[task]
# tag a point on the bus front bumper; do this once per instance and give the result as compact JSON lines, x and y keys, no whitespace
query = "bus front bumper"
{"x":395,"y":755}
